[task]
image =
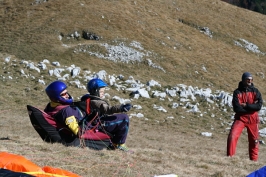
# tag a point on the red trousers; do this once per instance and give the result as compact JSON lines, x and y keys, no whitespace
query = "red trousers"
{"x":253,"y":138}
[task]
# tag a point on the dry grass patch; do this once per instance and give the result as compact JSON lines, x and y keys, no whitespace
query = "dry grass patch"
{"x":170,"y":30}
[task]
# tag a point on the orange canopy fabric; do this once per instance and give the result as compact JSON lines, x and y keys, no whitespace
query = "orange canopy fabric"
{"x":19,"y":163}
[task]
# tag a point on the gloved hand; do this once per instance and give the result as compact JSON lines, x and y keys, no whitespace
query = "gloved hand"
{"x":125,"y":107}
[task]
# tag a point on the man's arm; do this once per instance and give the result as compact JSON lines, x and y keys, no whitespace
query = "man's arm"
{"x":104,"y":107}
{"x":237,"y":106}
{"x":256,"y":106}
{"x":72,"y":124}
{"x":71,"y":116}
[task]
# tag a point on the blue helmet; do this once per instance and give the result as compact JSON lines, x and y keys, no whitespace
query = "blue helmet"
{"x":53,"y":91}
{"x":94,"y":86}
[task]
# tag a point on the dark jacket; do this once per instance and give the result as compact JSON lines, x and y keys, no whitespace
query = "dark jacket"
{"x":252,"y":97}
{"x":101,"y":106}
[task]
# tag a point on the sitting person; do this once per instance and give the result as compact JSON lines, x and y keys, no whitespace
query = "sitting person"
{"x":116,"y":124}
{"x":68,"y":117}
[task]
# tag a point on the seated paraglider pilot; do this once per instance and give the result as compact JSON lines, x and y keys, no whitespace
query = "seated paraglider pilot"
{"x":65,"y":115}
{"x":113,"y":118}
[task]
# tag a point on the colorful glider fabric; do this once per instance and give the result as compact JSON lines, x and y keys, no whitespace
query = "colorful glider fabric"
{"x":258,"y":173}
{"x":17,"y":163}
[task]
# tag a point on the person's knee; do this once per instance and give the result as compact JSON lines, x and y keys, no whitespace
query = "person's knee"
{"x":124,"y":117}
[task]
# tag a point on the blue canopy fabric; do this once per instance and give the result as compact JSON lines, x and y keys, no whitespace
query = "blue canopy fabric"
{"x":258,"y":173}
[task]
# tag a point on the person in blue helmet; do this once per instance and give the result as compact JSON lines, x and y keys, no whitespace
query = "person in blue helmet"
{"x":66,"y":115}
{"x":113,"y":118}
{"x":70,"y":118}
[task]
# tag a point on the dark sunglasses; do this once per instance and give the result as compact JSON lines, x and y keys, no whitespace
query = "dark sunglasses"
{"x":64,"y":94}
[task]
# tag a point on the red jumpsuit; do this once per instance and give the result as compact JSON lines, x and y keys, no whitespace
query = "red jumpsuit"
{"x":245,"y":117}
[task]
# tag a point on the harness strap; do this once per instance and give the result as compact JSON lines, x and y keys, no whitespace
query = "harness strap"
{"x":88,"y":106}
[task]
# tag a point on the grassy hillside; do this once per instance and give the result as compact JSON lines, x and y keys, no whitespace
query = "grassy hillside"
{"x":171,"y":32}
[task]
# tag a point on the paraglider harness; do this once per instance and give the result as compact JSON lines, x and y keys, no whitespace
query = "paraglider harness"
{"x":91,"y":122}
{"x":52,"y":131}
{"x":92,"y":119}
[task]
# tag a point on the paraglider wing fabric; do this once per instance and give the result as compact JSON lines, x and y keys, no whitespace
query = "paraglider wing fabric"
{"x":58,"y":171}
{"x":44,"y":125}
{"x":17,"y":163}
{"x":12,"y":165}
{"x":258,"y":173}
{"x":9,"y":173}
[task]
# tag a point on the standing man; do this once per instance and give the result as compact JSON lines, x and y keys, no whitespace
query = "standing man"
{"x":247,"y":101}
